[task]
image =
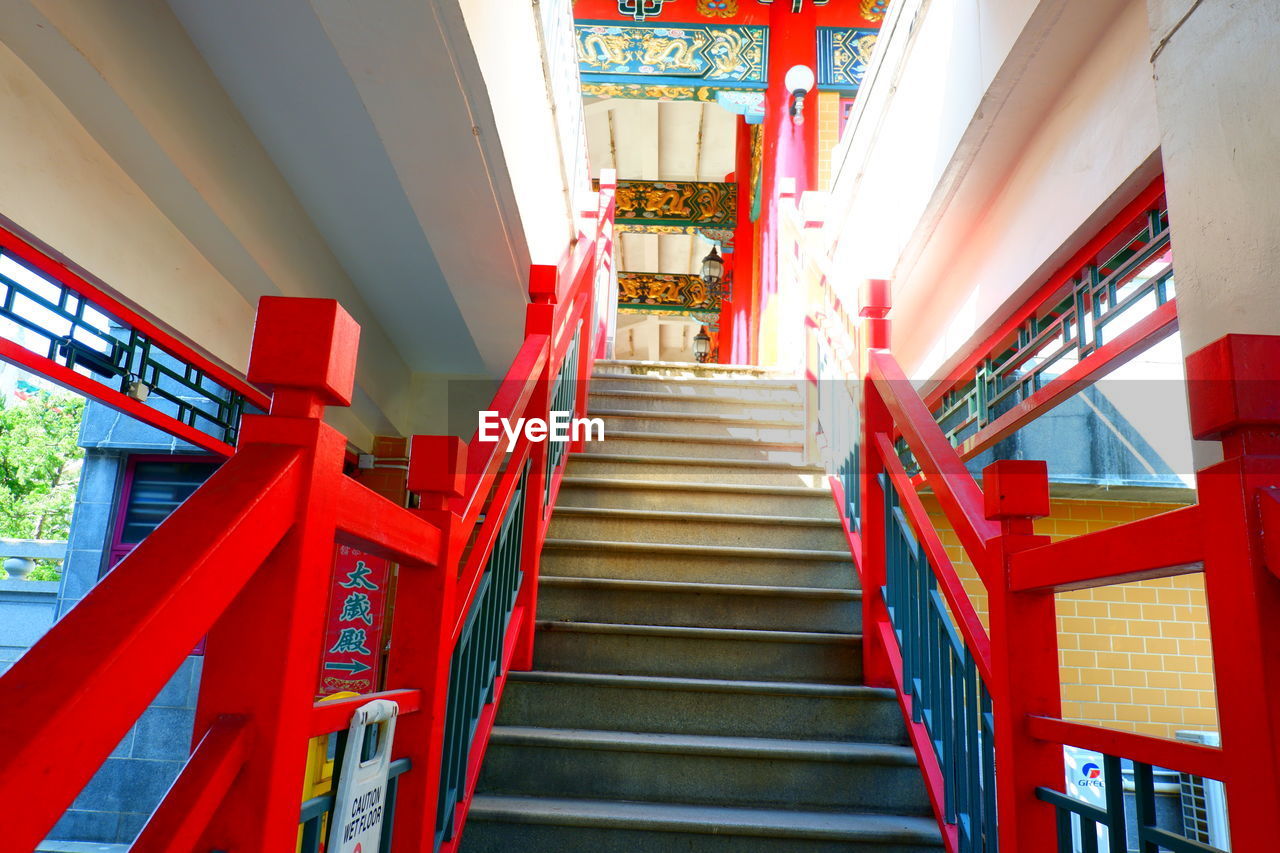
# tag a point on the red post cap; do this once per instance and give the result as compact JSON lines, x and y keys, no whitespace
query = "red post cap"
{"x":1016,"y":488}
{"x":1234,"y":383}
{"x":437,"y":465}
{"x":305,"y":344}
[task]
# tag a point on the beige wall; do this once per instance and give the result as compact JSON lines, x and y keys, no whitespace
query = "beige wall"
{"x":983,"y":153}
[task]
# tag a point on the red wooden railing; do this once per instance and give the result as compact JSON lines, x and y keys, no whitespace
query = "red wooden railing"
{"x":1232,"y":385}
{"x":245,"y":559}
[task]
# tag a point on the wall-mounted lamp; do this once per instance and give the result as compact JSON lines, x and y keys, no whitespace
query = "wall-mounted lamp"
{"x":702,"y":345}
{"x":799,"y":82}
{"x":712,"y":269}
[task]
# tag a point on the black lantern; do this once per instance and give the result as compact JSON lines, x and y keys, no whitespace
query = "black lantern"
{"x":712,"y":269}
{"x":702,"y":343}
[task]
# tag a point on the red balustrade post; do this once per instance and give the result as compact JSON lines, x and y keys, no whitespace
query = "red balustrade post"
{"x":421,"y":635}
{"x":1234,"y":393}
{"x":260,"y":661}
{"x":540,"y":316}
{"x":603,"y":263}
{"x":876,"y":420}
{"x":1024,"y":658}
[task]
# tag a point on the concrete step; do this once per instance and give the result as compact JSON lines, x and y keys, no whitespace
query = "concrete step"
{"x":693,"y":403}
{"x":765,"y":608}
{"x":678,"y":496}
{"x":697,"y":423}
{"x":686,"y":652}
{"x":684,"y":446}
{"x":576,"y":700}
{"x":621,"y":367}
{"x":745,"y":390}
{"x":690,"y":528}
{"x":502,"y":824}
{"x":695,"y":468}
{"x":585,"y":558}
{"x":703,"y":770}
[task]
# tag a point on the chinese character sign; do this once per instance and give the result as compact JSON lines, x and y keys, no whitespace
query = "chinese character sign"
{"x":354,"y":635}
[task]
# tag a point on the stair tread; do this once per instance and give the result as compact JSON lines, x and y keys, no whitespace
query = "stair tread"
{"x":717,"y":820}
{"x":683,"y":365}
{"x":695,"y":438}
{"x":637,"y":394}
{"x":677,"y":486}
{"x":717,"y":550}
{"x":758,"y":634}
{"x":710,"y":417}
{"x":769,"y":464}
{"x":706,"y":685}
{"x":702,"y":517}
{"x":698,"y":587}
{"x":685,"y":744}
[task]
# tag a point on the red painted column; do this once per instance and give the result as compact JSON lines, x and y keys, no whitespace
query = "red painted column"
{"x":1232,"y":387}
{"x":790,"y":149}
{"x":735,"y":314}
{"x":261,"y":656}
{"x":1024,"y":657}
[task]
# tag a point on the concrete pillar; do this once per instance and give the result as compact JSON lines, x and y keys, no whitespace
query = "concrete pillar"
{"x":1217,"y":79}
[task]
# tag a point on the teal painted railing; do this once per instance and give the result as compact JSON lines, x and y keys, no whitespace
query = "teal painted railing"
{"x":564,"y":398}
{"x":477,"y":659}
{"x":944,"y":688}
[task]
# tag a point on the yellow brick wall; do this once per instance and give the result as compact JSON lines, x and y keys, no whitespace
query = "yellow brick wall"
{"x":828,"y":135}
{"x":1133,"y":656}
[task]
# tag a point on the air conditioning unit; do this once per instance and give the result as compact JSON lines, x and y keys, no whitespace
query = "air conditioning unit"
{"x":1204,"y":801}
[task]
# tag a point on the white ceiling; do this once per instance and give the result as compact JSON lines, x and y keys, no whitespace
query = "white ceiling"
{"x":661,"y":141}
{"x":390,"y":171}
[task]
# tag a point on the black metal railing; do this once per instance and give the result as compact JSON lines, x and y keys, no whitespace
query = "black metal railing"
{"x":477,"y":659}
{"x":51,"y":320}
{"x":1080,"y":824}
{"x":941,"y":679}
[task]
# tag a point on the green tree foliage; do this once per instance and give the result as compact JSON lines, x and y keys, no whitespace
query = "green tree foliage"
{"x":39,"y":468}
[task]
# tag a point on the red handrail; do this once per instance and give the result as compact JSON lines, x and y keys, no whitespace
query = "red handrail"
{"x":237,"y":561}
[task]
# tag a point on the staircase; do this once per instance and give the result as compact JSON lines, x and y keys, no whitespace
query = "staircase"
{"x":697,"y":664}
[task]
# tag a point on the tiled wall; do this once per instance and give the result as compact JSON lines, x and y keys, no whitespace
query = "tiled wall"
{"x":828,"y":135}
{"x":1134,"y":656}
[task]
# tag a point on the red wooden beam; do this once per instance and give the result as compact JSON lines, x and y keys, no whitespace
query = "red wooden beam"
{"x":510,"y":401}
{"x":142,"y":620}
{"x":959,"y":495}
{"x":962,"y":610}
{"x":1160,"y":546}
{"x":374,"y":524}
{"x":1193,"y":758}
{"x":335,"y":714}
{"x":1127,"y":345}
{"x":1046,"y":293}
{"x":182,"y":816}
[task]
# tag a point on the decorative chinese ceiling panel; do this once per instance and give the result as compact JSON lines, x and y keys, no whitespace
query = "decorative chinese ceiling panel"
{"x":677,"y":204}
{"x":661,"y":292}
{"x":609,"y":52}
{"x":843,"y":56}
